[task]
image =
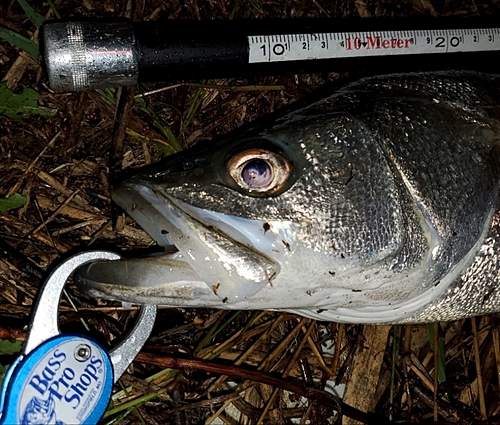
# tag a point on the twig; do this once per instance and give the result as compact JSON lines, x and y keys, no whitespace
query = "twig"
{"x":318,"y":355}
{"x":289,"y":367}
{"x":338,"y":348}
{"x":270,"y":325}
{"x":12,"y":334}
{"x":20,"y":260}
{"x":444,"y":408}
{"x":406,"y":349}
{"x":124,"y":106}
{"x":51,"y":239}
{"x":496,"y":348}
{"x":215,"y":87}
{"x":125,"y":102}
{"x":20,"y":227}
{"x":52,"y":181}
{"x":55,"y":213}
{"x":202,"y":404}
{"x":76,"y":213}
{"x":414,"y":364}
{"x":18,"y":184}
{"x":313,"y":394}
{"x":271,"y":359}
{"x":77,"y":226}
{"x":477,"y":357}
{"x":436,"y":370}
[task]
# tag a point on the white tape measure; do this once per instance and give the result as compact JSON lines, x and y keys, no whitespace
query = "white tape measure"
{"x":298,"y":47}
{"x":180,"y":50}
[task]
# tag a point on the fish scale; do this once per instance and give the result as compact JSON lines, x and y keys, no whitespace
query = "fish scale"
{"x":381,"y":208}
{"x":450,"y":178}
{"x":474,"y":293}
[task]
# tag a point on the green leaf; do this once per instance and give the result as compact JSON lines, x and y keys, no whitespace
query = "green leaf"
{"x":11,"y":203}
{"x":3,"y":371}
{"x":33,"y":15}
{"x":173,"y":145}
{"x":20,"y":105}
{"x":9,"y":347}
{"x":19,"y":41}
{"x":441,"y":350}
{"x":53,"y":8}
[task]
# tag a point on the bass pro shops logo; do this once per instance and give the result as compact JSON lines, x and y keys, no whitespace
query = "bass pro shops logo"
{"x":63,"y":387}
{"x":66,"y":385}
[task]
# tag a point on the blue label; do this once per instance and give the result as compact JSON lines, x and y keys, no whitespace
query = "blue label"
{"x":66,"y":380}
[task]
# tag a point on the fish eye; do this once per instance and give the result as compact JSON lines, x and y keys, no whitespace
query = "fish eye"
{"x":259,"y":170}
{"x":257,"y":173}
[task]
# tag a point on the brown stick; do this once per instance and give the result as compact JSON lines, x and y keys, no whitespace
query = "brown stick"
{"x":124,"y":106}
{"x":55,"y":213}
{"x":20,"y":181}
{"x":477,"y":358}
{"x":319,"y":396}
{"x":436,"y":370}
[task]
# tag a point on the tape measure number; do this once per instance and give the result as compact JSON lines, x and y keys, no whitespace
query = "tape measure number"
{"x":298,"y":47}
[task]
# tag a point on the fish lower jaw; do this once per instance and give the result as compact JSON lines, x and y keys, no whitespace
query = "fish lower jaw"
{"x":216,"y":245}
{"x":184,"y":295}
{"x":169,"y":281}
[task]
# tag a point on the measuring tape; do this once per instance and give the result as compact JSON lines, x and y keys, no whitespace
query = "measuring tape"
{"x":299,"y":47}
{"x":98,"y":54}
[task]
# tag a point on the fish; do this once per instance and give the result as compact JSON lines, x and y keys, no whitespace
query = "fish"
{"x":377,"y":203}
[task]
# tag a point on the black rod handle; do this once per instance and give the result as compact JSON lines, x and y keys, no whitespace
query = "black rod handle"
{"x":95,"y":54}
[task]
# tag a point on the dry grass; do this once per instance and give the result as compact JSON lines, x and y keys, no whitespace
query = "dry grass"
{"x":203,"y":366}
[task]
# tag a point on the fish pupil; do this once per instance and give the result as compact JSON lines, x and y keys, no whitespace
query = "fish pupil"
{"x":257,"y":173}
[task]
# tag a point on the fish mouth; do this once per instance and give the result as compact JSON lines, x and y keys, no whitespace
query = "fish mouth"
{"x":221,"y":258}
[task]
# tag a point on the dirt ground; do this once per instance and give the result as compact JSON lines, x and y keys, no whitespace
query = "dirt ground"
{"x":208,"y":366}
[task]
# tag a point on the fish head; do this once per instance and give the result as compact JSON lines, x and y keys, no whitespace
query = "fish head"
{"x":216,"y":206}
{"x":244,"y":211}
{"x":363,"y":207}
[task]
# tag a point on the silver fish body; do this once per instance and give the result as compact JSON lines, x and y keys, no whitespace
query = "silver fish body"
{"x":376,"y":204}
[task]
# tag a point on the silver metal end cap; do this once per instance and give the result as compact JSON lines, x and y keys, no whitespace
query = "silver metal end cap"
{"x":89,"y":55}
